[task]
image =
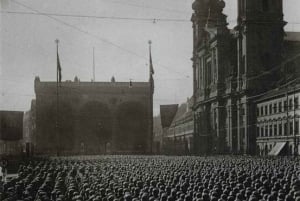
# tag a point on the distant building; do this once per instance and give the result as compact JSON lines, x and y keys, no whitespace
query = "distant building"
{"x":180,"y":133}
{"x":11,"y":132}
{"x":29,"y":130}
{"x":232,"y":69}
{"x":157,"y":135}
{"x":278,"y":114}
{"x":167,"y":114}
{"x":177,"y":129}
{"x":93,"y":117}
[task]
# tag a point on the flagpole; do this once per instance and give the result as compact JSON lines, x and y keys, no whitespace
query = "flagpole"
{"x":94,"y":79}
{"x":151,"y":97}
{"x":57,"y":101}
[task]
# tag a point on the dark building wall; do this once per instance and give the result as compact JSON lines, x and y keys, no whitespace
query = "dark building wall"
{"x":11,"y":132}
{"x":260,"y":52}
{"x":96,"y":117}
{"x":11,"y":125}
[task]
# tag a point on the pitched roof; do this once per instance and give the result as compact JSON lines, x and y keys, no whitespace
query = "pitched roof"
{"x":180,"y":112}
{"x":292,"y":87}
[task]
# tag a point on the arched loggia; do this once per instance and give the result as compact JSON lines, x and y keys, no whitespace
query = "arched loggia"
{"x":95,"y":127}
{"x":133,"y":126}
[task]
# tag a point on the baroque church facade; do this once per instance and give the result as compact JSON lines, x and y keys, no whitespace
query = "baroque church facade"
{"x":231,"y":69}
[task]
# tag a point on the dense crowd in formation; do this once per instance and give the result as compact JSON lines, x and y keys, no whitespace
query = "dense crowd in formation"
{"x":151,"y":178}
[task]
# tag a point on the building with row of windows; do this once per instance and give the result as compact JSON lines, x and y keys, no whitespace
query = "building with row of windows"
{"x":278,"y":116}
{"x":234,"y":68}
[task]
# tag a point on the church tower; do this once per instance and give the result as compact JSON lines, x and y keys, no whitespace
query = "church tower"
{"x":260,"y":37}
{"x":260,"y":41}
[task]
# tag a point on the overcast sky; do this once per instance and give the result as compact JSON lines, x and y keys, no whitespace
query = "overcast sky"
{"x":121,"y":46}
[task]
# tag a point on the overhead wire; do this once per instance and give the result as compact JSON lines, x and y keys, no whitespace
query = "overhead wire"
{"x":268,"y":72}
{"x":49,"y":15}
{"x":97,"y":17}
{"x":98,"y":38}
{"x":153,"y":19}
{"x":36,"y":12}
{"x":149,"y":7}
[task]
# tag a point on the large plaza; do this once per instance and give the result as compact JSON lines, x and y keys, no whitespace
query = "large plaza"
{"x":212,"y":178}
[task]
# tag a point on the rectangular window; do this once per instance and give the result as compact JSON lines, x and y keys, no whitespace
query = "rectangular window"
{"x":242,"y":110}
{"x":280,"y":129}
{"x":257,"y":131}
{"x":275,"y":129}
{"x":266,"y":110}
{"x":270,"y":130}
{"x":275,"y":107}
{"x":201,"y":77}
{"x":208,"y":68}
{"x":202,"y":83}
{"x":296,"y":102}
{"x":262,"y":131}
{"x":290,"y":104}
{"x":279,"y":107}
{"x":270,"y":109}
{"x":266,"y":131}
{"x":285,"y":106}
{"x":197,"y":80}
{"x":215,"y":119}
{"x":291,"y":128}
{"x":297,"y":127}
{"x":215,"y":66}
{"x":243,"y":65}
{"x":262,"y":111}
{"x":285,"y":129}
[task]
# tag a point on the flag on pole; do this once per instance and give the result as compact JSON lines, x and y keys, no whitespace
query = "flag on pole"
{"x":58,"y":68}
{"x":151,"y":65}
{"x":151,"y":70}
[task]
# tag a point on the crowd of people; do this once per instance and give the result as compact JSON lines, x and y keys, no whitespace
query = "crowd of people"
{"x":151,"y":178}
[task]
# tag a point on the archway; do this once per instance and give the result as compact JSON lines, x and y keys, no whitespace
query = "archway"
{"x":56,"y":125}
{"x":65,"y":139}
{"x":133,"y":125}
{"x":266,"y":150}
{"x":95,"y":127}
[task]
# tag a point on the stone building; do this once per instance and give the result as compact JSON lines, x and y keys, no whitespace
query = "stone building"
{"x":278,"y":116}
{"x":232,"y":69}
{"x":180,"y":133}
{"x":93,"y":117}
